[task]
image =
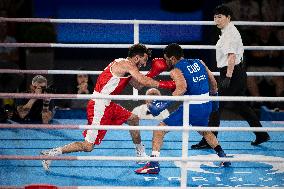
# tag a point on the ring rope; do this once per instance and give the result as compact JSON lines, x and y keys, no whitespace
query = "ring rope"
{"x":65,"y":72}
{"x":129,"y":158}
{"x":131,"y":187}
{"x":149,"y":128}
{"x":141,"y":97}
{"x":68,"y":45}
{"x":102,"y":21}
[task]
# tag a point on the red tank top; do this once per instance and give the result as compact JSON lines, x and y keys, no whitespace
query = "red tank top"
{"x":109,"y":84}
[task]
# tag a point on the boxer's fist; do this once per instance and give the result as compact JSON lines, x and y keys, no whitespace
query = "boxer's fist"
{"x":170,"y":84}
{"x":157,"y":106}
{"x":158,"y":65}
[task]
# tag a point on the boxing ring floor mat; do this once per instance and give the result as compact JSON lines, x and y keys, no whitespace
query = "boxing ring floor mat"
{"x":121,"y":173}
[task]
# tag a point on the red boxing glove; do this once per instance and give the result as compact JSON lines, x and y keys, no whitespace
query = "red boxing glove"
{"x":158,"y":65}
{"x":170,"y":84}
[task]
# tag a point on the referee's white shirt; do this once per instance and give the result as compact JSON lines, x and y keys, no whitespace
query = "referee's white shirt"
{"x":229,"y":42}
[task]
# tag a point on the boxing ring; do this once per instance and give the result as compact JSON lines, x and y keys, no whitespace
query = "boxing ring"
{"x":112,"y":164}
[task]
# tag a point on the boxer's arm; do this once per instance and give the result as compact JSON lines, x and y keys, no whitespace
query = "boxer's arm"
{"x":134,"y":83}
{"x":140,"y":78}
{"x":158,"y":65}
{"x":180,"y":82}
{"x":212,"y":81}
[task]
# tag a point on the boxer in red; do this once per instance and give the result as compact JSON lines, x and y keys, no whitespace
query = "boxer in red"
{"x":112,"y":81}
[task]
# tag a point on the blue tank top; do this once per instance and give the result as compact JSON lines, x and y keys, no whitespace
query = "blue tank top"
{"x":195,"y":75}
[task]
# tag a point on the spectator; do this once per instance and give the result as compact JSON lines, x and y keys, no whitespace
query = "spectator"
{"x":264,"y":61}
{"x":12,"y":6}
{"x":280,"y":36}
{"x":82,"y":84}
{"x":272,"y":10}
{"x":142,"y":111}
{"x":3,"y":116}
{"x":245,"y":10}
{"x":35,"y":110}
{"x":7,"y":113}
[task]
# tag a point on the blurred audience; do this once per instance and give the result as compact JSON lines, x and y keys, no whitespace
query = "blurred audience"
{"x":272,"y":10}
{"x":256,"y":10}
{"x":245,"y":10}
{"x":12,"y":6}
{"x":35,"y":110}
{"x":142,"y":111}
{"x":81,"y":84}
{"x":264,"y":61}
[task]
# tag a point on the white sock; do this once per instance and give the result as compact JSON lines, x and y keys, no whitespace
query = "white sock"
{"x":57,"y":151}
{"x":155,"y":153}
{"x":140,"y":147}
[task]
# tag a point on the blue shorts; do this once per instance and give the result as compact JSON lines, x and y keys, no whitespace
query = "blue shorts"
{"x":198,"y":115}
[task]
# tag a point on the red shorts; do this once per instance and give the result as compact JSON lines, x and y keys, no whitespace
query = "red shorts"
{"x":98,"y":114}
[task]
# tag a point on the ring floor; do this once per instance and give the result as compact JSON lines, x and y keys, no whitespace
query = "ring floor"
{"x":121,"y":173}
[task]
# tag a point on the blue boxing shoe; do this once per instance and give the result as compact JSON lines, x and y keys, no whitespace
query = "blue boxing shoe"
{"x":152,"y":167}
{"x":225,"y":163}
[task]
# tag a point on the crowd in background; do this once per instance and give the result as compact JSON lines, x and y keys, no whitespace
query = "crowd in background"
{"x":262,"y":60}
{"x":243,"y":10}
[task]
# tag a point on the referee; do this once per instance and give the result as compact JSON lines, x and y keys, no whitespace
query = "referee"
{"x":233,"y":78}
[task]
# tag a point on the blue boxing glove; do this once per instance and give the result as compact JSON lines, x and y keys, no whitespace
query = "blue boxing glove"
{"x":157,"y":106}
{"x":215,"y":104}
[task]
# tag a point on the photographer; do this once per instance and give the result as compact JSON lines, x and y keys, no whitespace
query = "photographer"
{"x":81,"y":84}
{"x":7,"y":113}
{"x":35,"y":110}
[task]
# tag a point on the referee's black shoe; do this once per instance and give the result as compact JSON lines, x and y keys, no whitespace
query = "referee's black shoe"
{"x":260,"y":140}
{"x":201,"y":145}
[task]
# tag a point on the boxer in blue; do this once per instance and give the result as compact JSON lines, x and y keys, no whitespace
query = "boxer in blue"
{"x":191,"y":77}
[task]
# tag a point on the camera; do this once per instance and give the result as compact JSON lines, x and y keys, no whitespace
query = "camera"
{"x":44,"y":89}
{"x":6,"y":113}
{"x":8,"y":108}
{"x":45,"y":104}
